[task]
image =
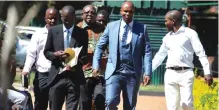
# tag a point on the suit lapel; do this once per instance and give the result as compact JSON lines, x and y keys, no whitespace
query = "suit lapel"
{"x":134,"y":36}
{"x":73,"y":36}
{"x":60,"y":37}
{"x":116,"y":35}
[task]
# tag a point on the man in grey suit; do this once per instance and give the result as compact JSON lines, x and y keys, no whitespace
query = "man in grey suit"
{"x":129,"y":56}
{"x":65,"y":85}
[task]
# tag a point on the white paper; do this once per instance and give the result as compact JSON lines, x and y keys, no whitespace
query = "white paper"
{"x":74,"y":61}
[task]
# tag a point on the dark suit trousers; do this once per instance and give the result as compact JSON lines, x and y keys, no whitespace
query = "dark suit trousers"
{"x":65,"y":87}
{"x":93,"y":89}
{"x":129,"y":87}
{"x":41,"y":92}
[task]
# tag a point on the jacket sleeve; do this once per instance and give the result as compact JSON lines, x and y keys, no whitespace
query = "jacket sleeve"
{"x":100,"y":47}
{"x":83,"y":54}
{"x":49,"y":48}
{"x":147,"y":54}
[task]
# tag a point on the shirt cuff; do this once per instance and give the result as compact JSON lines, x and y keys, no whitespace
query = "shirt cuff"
{"x":207,"y":71}
{"x":26,"y":69}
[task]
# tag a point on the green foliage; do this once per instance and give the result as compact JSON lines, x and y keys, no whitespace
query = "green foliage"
{"x":196,"y":72}
{"x":30,"y":78}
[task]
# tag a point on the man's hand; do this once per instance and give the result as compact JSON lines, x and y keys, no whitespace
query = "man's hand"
{"x":95,"y":73}
{"x":24,"y":73}
{"x":68,"y":67}
{"x":59,"y":53}
{"x":146,"y":79}
{"x":208,"y":79}
{"x":64,"y":56}
{"x":16,"y":107}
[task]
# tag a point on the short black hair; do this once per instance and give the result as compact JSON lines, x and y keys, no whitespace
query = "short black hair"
{"x":69,"y":8}
{"x":103,"y":12}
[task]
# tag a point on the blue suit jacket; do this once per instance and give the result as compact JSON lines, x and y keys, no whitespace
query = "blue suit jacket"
{"x":141,"y":53}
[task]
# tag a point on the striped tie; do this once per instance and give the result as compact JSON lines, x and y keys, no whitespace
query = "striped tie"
{"x":124,"y":36}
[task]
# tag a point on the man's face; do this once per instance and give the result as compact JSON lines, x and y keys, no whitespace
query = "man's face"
{"x":101,"y":19}
{"x":51,"y":18}
{"x":67,"y":18}
{"x":89,"y":15}
{"x":127,"y":12}
{"x":169,"y":23}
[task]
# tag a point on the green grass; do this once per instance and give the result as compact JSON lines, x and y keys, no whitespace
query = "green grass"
{"x":18,"y":78}
{"x":158,"y":88}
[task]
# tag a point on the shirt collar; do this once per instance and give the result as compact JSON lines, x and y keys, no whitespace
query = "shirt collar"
{"x":123,"y":23}
{"x":65,"y":29}
{"x":45,"y":30}
{"x":84,"y":24}
{"x":181,"y":29}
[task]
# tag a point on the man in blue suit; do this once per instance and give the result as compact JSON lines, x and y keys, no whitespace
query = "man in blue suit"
{"x":129,"y":57}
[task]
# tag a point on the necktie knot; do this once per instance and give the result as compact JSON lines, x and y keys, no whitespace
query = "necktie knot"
{"x":68,"y":32}
{"x":126,"y":26}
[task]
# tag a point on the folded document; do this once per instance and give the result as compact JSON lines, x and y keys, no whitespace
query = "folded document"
{"x":72,"y":60}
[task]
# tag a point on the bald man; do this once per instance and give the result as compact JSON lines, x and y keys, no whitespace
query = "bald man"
{"x":179,"y":45}
{"x":65,"y":85}
{"x":35,"y":54}
{"x":129,"y":51}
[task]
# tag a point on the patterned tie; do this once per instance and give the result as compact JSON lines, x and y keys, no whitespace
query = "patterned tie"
{"x":124,"y":36}
{"x":67,"y":39}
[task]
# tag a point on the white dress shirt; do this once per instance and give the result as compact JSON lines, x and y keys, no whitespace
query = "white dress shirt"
{"x":65,"y":32}
{"x":35,"y":52}
{"x":122,"y":29}
{"x":180,"y":47}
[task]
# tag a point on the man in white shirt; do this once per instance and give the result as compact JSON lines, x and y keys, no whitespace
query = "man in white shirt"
{"x":35,"y":54}
{"x":180,"y":44}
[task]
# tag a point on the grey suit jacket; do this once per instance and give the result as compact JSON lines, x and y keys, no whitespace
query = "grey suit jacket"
{"x":55,"y":42}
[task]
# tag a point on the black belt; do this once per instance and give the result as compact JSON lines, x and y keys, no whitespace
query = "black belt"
{"x":178,"y":68}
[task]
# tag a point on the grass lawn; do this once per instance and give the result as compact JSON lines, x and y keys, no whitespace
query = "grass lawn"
{"x":18,"y":78}
{"x":157,"y":88}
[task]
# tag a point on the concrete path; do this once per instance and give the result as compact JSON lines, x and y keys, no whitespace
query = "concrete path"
{"x":148,"y":103}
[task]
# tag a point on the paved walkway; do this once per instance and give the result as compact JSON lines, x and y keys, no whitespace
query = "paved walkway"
{"x":146,"y":100}
{"x":149,"y":103}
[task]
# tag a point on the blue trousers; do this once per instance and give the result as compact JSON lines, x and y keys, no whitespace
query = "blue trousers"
{"x":129,"y":87}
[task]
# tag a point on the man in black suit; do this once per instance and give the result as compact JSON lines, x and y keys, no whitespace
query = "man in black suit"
{"x":65,"y":85}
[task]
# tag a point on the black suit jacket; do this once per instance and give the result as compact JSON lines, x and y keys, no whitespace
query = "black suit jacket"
{"x":55,"y":42}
